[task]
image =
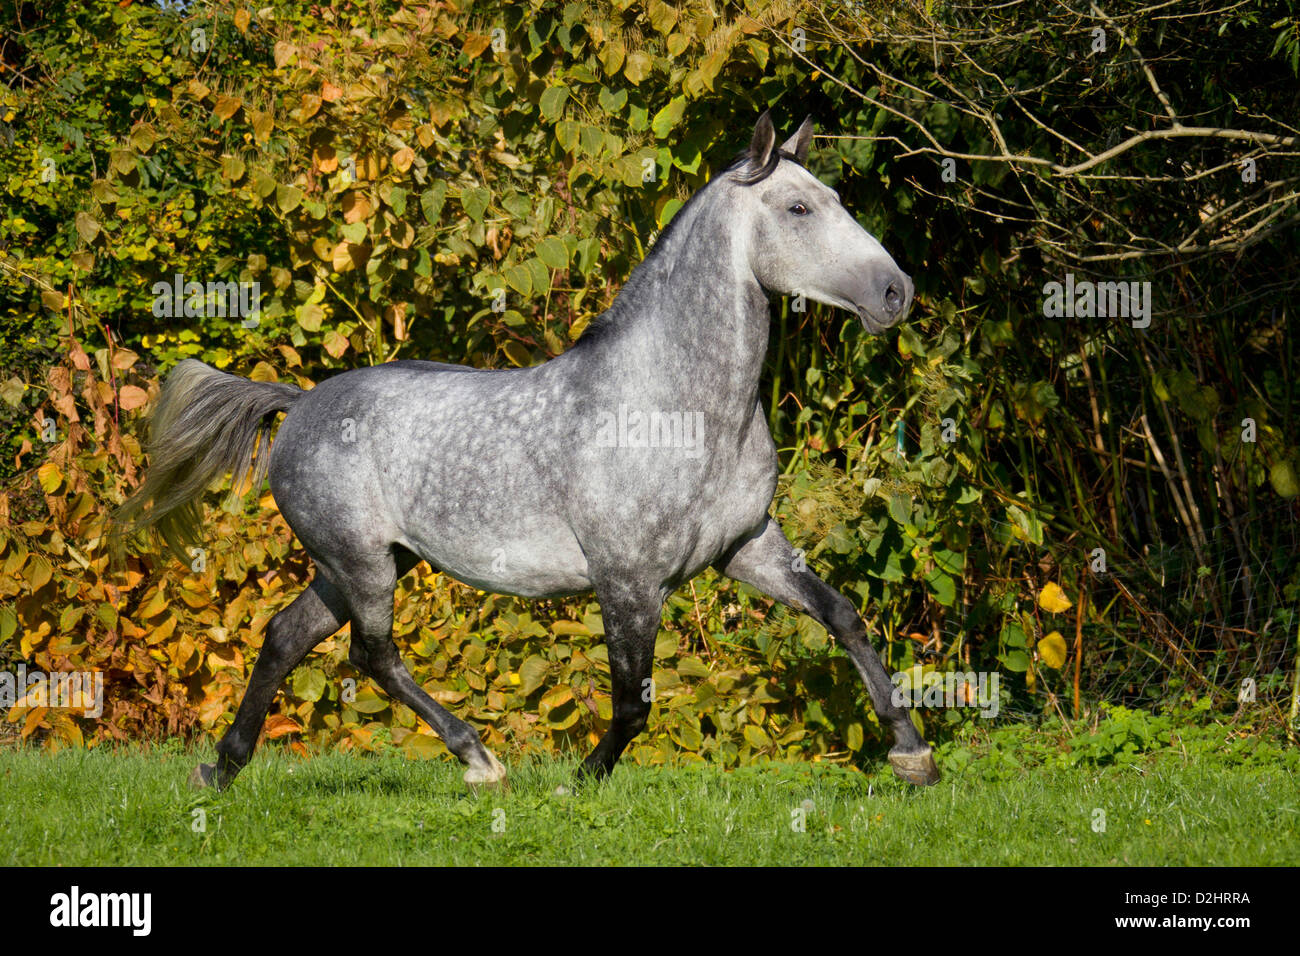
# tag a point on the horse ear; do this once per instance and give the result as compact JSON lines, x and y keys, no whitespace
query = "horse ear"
{"x":760,"y":147}
{"x":797,"y":145}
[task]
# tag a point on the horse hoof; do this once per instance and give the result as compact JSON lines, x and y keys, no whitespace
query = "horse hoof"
{"x":203,"y":776}
{"x":916,"y":768}
{"x":493,"y":775}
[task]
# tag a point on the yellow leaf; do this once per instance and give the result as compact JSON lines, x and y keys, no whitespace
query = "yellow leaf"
{"x":264,"y":372}
{"x":1053,"y":599}
{"x":556,"y":697}
{"x":517,"y":353}
{"x":132,"y":397}
{"x":277,"y":725}
{"x":211,"y":710}
{"x":475,"y":43}
{"x":38,"y":572}
{"x":227,"y":106}
{"x":421,"y":746}
{"x":50,"y":477}
{"x":283,"y":51}
{"x":356,"y":206}
{"x":1052,"y":650}
{"x":335,"y":343}
{"x":263,"y":124}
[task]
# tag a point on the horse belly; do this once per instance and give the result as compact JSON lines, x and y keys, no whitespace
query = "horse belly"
{"x":534,"y":558}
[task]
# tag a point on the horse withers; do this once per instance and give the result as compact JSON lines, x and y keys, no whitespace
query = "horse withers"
{"x":624,"y":466}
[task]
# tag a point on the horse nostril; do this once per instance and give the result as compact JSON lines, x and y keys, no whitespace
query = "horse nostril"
{"x":893,"y":299}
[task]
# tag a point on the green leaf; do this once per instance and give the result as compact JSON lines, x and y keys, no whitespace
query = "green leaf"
{"x":587,"y":251}
{"x":638,"y":67}
{"x":949,"y":561}
{"x":612,"y":102}
{"x":474,"y":201}
{"x":517,"y":205}
{"x":541,"y":278}
{"x":553,"y":252}
{"x":853,"y":736}
{"x":308,"y":683}
{"x":431,"y":201}
{"x":368,"y":702}
{"x":397,"y":200}
{"x":1016,"y":661}
{"x":310,"y":316}
{"x":232,"y":168}
{"x":942,"y":586}
{"x":687,"y":736}
{"x":566,"y":133}
{"x":669,"y":210}
{"x":591,"y":140}
{"x":287,"y":198}
{"x":263,"y":183}
{"x":532,"y":673}
{"x":519,"y":278}
{"x":611,"y":57}
{"x":668,"y":117}
{"x":552,"y":102}
{"x":1282,"y":477}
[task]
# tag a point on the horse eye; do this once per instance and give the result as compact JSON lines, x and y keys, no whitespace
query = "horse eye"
{"x":799,"y":209}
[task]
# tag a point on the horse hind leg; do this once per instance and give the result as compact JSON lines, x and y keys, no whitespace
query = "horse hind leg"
{"x":313,"y":616}
{"x":404,"y":560}
{"x":367,"y":588}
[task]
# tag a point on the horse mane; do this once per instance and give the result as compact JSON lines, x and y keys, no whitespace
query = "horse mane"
{"x":600,"y":326}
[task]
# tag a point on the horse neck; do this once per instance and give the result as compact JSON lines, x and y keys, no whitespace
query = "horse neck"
{"x":691,"y":325}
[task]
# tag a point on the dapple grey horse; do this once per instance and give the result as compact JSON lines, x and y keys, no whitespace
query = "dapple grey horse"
{"x":624,"y":466}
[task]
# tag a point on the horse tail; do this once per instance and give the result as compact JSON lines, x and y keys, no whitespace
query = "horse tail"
{"x":207,"y":424}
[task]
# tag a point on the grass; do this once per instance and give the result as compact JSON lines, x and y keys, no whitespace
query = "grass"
{"x":131,"y":807}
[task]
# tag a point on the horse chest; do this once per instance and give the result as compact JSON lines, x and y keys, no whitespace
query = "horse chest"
{"x":732,"y":501}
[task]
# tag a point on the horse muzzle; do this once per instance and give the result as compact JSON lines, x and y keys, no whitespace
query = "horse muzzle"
{"x":887,"y":303}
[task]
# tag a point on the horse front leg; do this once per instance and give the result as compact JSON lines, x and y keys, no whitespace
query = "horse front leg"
{"x":767,"y":561}
{"x":631,"y":617}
